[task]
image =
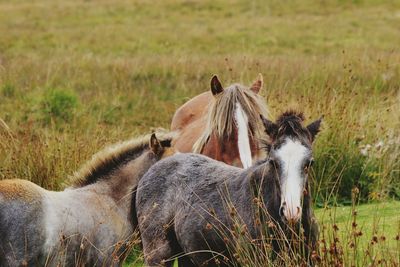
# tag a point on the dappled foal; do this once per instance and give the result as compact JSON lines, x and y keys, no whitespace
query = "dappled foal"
{"x":87,"y":223}
{"x":189,"y":204}
{"x":223,"y":124}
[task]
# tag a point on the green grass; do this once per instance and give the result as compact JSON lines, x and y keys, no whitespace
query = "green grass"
{"x":382,"y":217}
{"x":131,"y":28}
{"x":381,"y":220}
{"x":77,"y":75}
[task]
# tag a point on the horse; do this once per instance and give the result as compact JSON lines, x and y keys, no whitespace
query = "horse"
{"x":86,"y":224}
{"x":223,"y":124}
{"x":186,"y":204}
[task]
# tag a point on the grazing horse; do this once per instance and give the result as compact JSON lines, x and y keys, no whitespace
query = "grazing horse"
{"x":186,"y":204}
{"x":223,"y":124}
{"x":87,"y":223}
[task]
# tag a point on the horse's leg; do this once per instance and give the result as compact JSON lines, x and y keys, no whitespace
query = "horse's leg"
{"x":159,"y":245}
{"x":158,"y":253}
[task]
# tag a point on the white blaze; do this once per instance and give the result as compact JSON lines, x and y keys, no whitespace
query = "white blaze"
{"x":291,"y":156}
{"x":243,"y":136}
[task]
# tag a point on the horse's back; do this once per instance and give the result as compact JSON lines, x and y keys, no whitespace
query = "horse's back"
{"x":186,"y":168}
{"x":190,"y":121}
{"x":18,"y":188}
{"x":183,"y":178}
{"x":191,"y":111}
{"x":21,"y":229}
{"x":188,"y":136}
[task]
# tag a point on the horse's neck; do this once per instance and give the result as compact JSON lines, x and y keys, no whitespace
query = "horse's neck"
{"x":254,"y":193}
{"x":122,"y":181}
{"x":262,"y":183}
{"x":227,"y":149}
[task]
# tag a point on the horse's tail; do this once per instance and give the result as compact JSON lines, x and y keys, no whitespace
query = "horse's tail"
{"x":133,"y":217}
{"x":132,"y":212}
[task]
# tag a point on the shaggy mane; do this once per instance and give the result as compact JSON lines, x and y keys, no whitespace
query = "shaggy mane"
{"x":290,"y":123}
{"x":104,"y":162}
{"x":221,"y":115}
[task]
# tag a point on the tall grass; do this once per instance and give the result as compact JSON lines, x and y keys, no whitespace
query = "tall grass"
{"x":358,"y":146}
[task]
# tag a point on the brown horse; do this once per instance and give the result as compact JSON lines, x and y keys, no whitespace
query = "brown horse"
{"x":223,"y":124}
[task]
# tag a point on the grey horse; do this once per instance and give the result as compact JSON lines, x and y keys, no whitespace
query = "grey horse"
{"x":87,"y":223}
{"x":186,"y":204}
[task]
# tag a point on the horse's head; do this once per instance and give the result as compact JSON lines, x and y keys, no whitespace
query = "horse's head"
{"x":217,"y":88}
{"x":157,"y":149}
{"x":233,"y":124}
{"x":290,"y":153}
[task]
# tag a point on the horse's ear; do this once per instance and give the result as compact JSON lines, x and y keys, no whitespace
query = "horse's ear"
{"x":258,"y":84}
{"x":270,"y":128}
{"x":313,"y":128}
{"x":216,"y":86}
{"x":155,"y":145}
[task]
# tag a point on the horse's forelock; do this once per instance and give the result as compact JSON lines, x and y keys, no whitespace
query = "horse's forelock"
{"x":221,"y":116}
{"x":290,"y":123}
{"x":290,"y":115}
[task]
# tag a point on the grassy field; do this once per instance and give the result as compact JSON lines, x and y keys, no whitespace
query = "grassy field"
{"x":78,"y":75}
{"x":366,"y":234}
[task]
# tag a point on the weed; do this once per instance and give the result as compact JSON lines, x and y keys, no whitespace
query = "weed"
{"x":8,"y":90}
{"x":58,"y":105}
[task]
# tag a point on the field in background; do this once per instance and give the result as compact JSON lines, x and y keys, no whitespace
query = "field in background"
{"x":77,"y":75}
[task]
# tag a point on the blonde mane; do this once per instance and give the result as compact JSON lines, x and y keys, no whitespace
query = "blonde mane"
{"x":112,"y":157}
{"x":221,"y":118}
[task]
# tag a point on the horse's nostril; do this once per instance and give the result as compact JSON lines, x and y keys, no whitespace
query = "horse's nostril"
{"x":298,"y":210}
{"x":281,"y":210}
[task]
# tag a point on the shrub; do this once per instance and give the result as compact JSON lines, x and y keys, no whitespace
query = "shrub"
{"x":8,"y":90}
{"x":58,"y":105}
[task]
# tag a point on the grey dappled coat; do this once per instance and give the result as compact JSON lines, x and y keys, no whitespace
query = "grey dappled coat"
{"x":183,"y":199}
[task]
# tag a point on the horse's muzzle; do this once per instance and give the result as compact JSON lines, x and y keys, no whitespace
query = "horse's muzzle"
{"x":290,"y":214}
